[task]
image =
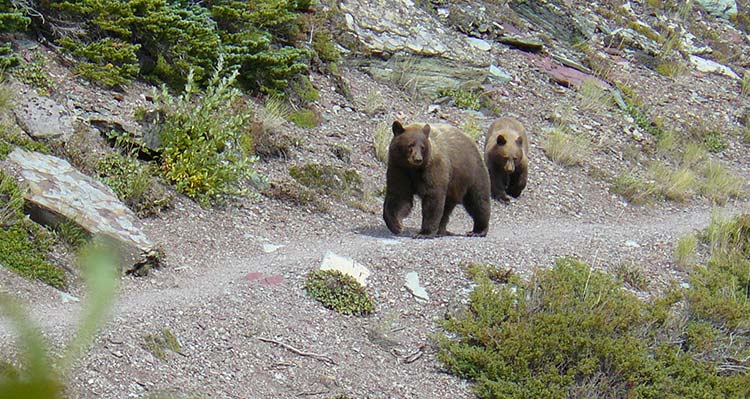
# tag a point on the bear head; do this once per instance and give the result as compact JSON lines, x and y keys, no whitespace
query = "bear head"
{"x":410,"y":146}
{"x":507,"y":152}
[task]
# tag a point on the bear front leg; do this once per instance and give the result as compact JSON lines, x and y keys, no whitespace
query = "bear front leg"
{"x":395,"y":209}
{"x":432,"y":212}
{"x":499,"y":185}
{"x":517,"y":184}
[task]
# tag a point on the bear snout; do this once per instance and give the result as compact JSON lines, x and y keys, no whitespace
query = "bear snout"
{"x":509,"y":166}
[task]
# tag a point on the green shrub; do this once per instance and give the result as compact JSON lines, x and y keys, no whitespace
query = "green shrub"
{"x":339,"y":292}
{"x":573,"y":332}
{"x":109,"y":62}
{"x":201,"y":151}
{"x":34,"y":74}
{"x":715,"y":141}
{"x":464,"y":98}
{"x":23,"y":244}
{"x":12,"y":19}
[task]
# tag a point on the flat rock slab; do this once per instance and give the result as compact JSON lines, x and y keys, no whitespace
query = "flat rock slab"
{"x":40,"y":116}
{"x":349,"y":266}
{"x":58,"y":192}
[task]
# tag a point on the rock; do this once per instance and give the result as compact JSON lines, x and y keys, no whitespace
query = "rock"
{"x":57,"y":192}
{"x":387,"y":27}
{"x":270,"y":248}
{"x":522,"y":43}
{"x":632,"y":244}
{"x":425,"y":75}
{"x":555,"y":17}
{"x":412,"y":284}
{"x":720,"y":8}
{"x":704,"y":65}
{"x":480,"y":44}
{"x":499,"y":75}
{"x":39,"y":116}
{"x":564,"y":75}
{"x":626,"y":37}
{"x":147,"y":140}
{"x":348,"y":266}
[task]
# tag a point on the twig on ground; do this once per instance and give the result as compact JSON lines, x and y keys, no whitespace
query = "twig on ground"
{"x":322,"y":358}
{"x":415,"y":355}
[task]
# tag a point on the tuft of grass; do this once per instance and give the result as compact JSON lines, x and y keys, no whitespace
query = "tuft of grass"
{"x":159,"y":344}
{"x":71,"y":234}
{"x":666,"y":142}
{"x":693,"y":154}
{"x":374,"y":103}
{"x":304,"y":118}
{"x":565,"y":149}
{"x":720,"y":184}
{"x":273,"y":114}
{"x":632,"y":275}
{"x":634,"y":189}
{"x":471,"y":128}
{"x":685,"y":251}
{"x":296,"y":194}
{"x":594,"y":97}
{"x":745,"y":84}
{"x":6,"y":96}
{"x":34,"y":73}
{"x":339,"y":292}
{"x":675,"y":185}
{"x":381,"y":141}
{"x":24,"y":245}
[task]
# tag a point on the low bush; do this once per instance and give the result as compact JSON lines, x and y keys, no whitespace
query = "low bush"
{"x":339,"y":292}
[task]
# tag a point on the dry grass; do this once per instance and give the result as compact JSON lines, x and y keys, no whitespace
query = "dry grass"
{"x":693,"y":154}
{"x":273,"y":114}
{"x":566,"y":149}
{"x":381,"y":140}
{"x":471,"y":128}
{"x":594,"y":97}
{"x":720,"y":183}
{"x":685,"y":251}
{"x":374,"y":103}
{"x":634,"y":189}
{"x":675,"y":185}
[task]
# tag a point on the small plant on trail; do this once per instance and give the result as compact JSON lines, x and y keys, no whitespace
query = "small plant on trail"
{"x":159,"y":344}
{"x":684,"y":252}
{"x":202,"y":152}
{"x":339,"y":292}
{"x":634,"y":188}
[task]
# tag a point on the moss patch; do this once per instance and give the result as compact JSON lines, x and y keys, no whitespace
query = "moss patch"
{"x":328,"y":179}
{"x":304,"y":118}
{"x":339,"y":292}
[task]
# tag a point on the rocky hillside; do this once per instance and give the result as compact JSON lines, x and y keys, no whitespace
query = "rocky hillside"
{"x":638,"y":115}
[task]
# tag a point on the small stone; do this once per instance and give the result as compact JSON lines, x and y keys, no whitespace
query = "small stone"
{"x":499,"y":75}
{"x":412,"y":284}
{"x":632,"y":244}
{"x":67,"y":298}
{"x":269,"y":248}
{"x":708,"y":66}
{"x":480,"y":44}
{"x":348,"y":266}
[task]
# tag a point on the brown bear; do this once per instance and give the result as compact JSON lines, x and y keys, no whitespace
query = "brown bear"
{"x":443,"y":167}
{"x":506,"y":155}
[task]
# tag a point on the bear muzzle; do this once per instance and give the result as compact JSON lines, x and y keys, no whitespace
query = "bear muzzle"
{"x":509,"y":166}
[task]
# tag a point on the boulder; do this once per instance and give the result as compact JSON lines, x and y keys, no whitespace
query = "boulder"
{"x":720,"y":8}
{"x":39,"y":116}
{"x":57,"y":192}
{"x":708,"y":66}
{"x":556,"y":18}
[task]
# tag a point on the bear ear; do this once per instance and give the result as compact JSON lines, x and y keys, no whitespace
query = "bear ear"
{"x":426,"y":130}
{"x":397,"y":128}
{"x":519,"y":140}
{"x":500,"y":139}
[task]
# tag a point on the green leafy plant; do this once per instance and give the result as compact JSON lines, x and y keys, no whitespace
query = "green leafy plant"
{"x":44,"y":375}
{"x":471,"y":127}
{"x":463,"y":97}
{"x":159,"y":344}
{"x":34,"y":73}
{"x":715,"y":141}
{"x":201,"y":151}
{"x":339,"y":292}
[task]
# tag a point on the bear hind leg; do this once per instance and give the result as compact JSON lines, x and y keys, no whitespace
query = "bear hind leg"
{"x":478,"y":207}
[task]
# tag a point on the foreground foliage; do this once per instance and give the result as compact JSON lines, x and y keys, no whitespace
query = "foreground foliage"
{"x":574,"y":332}
{"x":41,"y":375}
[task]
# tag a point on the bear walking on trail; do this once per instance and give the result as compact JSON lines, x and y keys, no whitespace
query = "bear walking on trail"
{"x":442,"y":166}
{"x":506,"y":155}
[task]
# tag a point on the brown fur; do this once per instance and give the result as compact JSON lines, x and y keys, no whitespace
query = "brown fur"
{"x":443,"y":167}
{"x":506,"y":156}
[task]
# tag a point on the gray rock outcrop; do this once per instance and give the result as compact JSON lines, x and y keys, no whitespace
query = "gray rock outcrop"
{"x":720,"y":8}
{"x":58,"y":192}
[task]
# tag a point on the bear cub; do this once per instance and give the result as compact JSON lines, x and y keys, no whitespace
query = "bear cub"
{"x":443,"y":167}
{"x":506,"y":156}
